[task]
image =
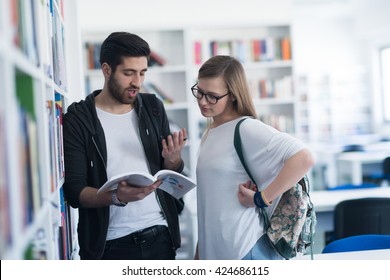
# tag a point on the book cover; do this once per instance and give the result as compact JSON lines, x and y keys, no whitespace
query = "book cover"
{"x":174,"y":183}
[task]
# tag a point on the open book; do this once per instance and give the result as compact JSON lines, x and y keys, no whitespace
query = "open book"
{"x":174,"y":183}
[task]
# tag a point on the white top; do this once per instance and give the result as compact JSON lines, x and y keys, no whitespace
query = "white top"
{"x":125,"y":153}
{"x":226,"y":229}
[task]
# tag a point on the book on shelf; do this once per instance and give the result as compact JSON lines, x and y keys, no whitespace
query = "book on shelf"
{"x":150,"y":87}
{"x":93,"y":55}
{"x":286,"y":48}
{"x":197,"y":52}
{"x":5,"y":219}
{"x":221,"y":48}
{"x":174,"y":183}
{"x":60,"y":150}
{"x":52,"y":132}
{"x":15,"y":28}
{"x":43,"y":16}
{"x":156,"y":60}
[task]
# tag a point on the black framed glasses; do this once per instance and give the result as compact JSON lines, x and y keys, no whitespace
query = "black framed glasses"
{"x":198,"y":94}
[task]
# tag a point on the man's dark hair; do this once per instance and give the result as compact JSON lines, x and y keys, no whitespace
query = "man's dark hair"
{"x":122,"y":44}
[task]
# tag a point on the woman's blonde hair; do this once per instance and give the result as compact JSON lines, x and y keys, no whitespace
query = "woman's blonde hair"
{"x":233,"y":74}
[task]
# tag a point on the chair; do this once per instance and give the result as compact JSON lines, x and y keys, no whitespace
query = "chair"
{"x":382,"y":175}
{"x":361,"y":216}
{"x":358,"y":243}
{"x":386,"y":169}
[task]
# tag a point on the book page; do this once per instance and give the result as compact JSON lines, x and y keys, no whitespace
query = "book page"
{"x":174,"y":183}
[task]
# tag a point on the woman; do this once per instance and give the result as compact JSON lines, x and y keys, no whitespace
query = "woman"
{"x":228,"y":223}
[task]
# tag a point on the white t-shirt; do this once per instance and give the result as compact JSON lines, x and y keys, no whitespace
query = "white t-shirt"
{"x":125,"y":153}
{"x":226,"y":229}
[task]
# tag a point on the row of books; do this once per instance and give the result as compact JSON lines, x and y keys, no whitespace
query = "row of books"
{"x":23,"y":20}
{"x":93,"y":56}
{"x":29,"y":17}
{"x":54,"y":111}
{"x":281,"y":88}
{"x":59,"y":67}
{"x":284,"y":123}
{"x":281,"y":122}
{"x":256,"y":50}
{"x":66,"y":230}
{"x":32,"y":190}
{"x":63,"y":230}
{"x":31,"y":181}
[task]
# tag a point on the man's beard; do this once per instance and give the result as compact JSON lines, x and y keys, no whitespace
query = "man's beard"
{"x":117,"y":92}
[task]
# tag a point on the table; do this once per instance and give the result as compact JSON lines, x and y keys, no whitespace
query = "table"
{"x":353,"y":163}
{"x":382,"y":254}
{"x":326,"y":201}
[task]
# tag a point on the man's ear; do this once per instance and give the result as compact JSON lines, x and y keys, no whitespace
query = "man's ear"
{"x":106,"y":69}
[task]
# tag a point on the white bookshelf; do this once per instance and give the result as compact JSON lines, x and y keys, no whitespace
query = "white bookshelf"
{"x":269,"y":70}
{"x":33,"y":67}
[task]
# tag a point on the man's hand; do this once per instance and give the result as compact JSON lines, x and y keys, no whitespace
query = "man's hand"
{"x":127,"y":193}
{"x":172,"y":147}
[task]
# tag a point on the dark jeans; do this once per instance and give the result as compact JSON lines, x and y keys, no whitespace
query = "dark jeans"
{"x":153,"y":243}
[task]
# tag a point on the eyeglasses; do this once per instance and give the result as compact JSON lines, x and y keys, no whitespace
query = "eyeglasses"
{"x":198,"y":94}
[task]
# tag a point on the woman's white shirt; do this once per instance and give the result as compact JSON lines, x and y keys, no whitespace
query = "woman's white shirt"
{"x":226,"y":229}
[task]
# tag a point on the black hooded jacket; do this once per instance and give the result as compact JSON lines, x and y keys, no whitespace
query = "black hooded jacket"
{"x":85,"y":156}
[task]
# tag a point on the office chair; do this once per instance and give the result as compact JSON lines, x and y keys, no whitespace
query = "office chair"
{"x":361,"y":216}
{"x":386,"y":169}
{"x":358,"y":243}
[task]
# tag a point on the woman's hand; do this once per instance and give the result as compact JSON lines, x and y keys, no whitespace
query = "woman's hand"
{"x":172,"y":147}
{"x":246,"y":192}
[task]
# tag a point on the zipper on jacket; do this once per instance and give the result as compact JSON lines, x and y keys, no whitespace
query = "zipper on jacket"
{"x":100,"y":154}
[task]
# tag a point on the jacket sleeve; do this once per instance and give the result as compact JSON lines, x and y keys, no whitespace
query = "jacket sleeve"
{"x":75,"y":159}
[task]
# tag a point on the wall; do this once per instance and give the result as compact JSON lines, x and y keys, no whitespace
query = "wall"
{"x":342,"y":36}
{"x":123,"y":14}
{"x":346,"y":32}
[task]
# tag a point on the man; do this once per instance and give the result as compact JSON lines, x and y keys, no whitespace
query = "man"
{"x":117,"y":130}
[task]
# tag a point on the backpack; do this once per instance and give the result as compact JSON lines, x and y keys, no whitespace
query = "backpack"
{"x":291,"y":227}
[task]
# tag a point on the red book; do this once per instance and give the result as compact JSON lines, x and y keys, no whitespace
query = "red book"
{"x":256,"y":50}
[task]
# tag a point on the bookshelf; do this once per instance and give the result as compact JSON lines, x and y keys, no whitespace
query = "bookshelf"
{"x":265,"y":52}
{"x":35,"y":221}
{"x":326,"y":113}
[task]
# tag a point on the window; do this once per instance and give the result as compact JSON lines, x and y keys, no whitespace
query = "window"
{"x":385,"y":81}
